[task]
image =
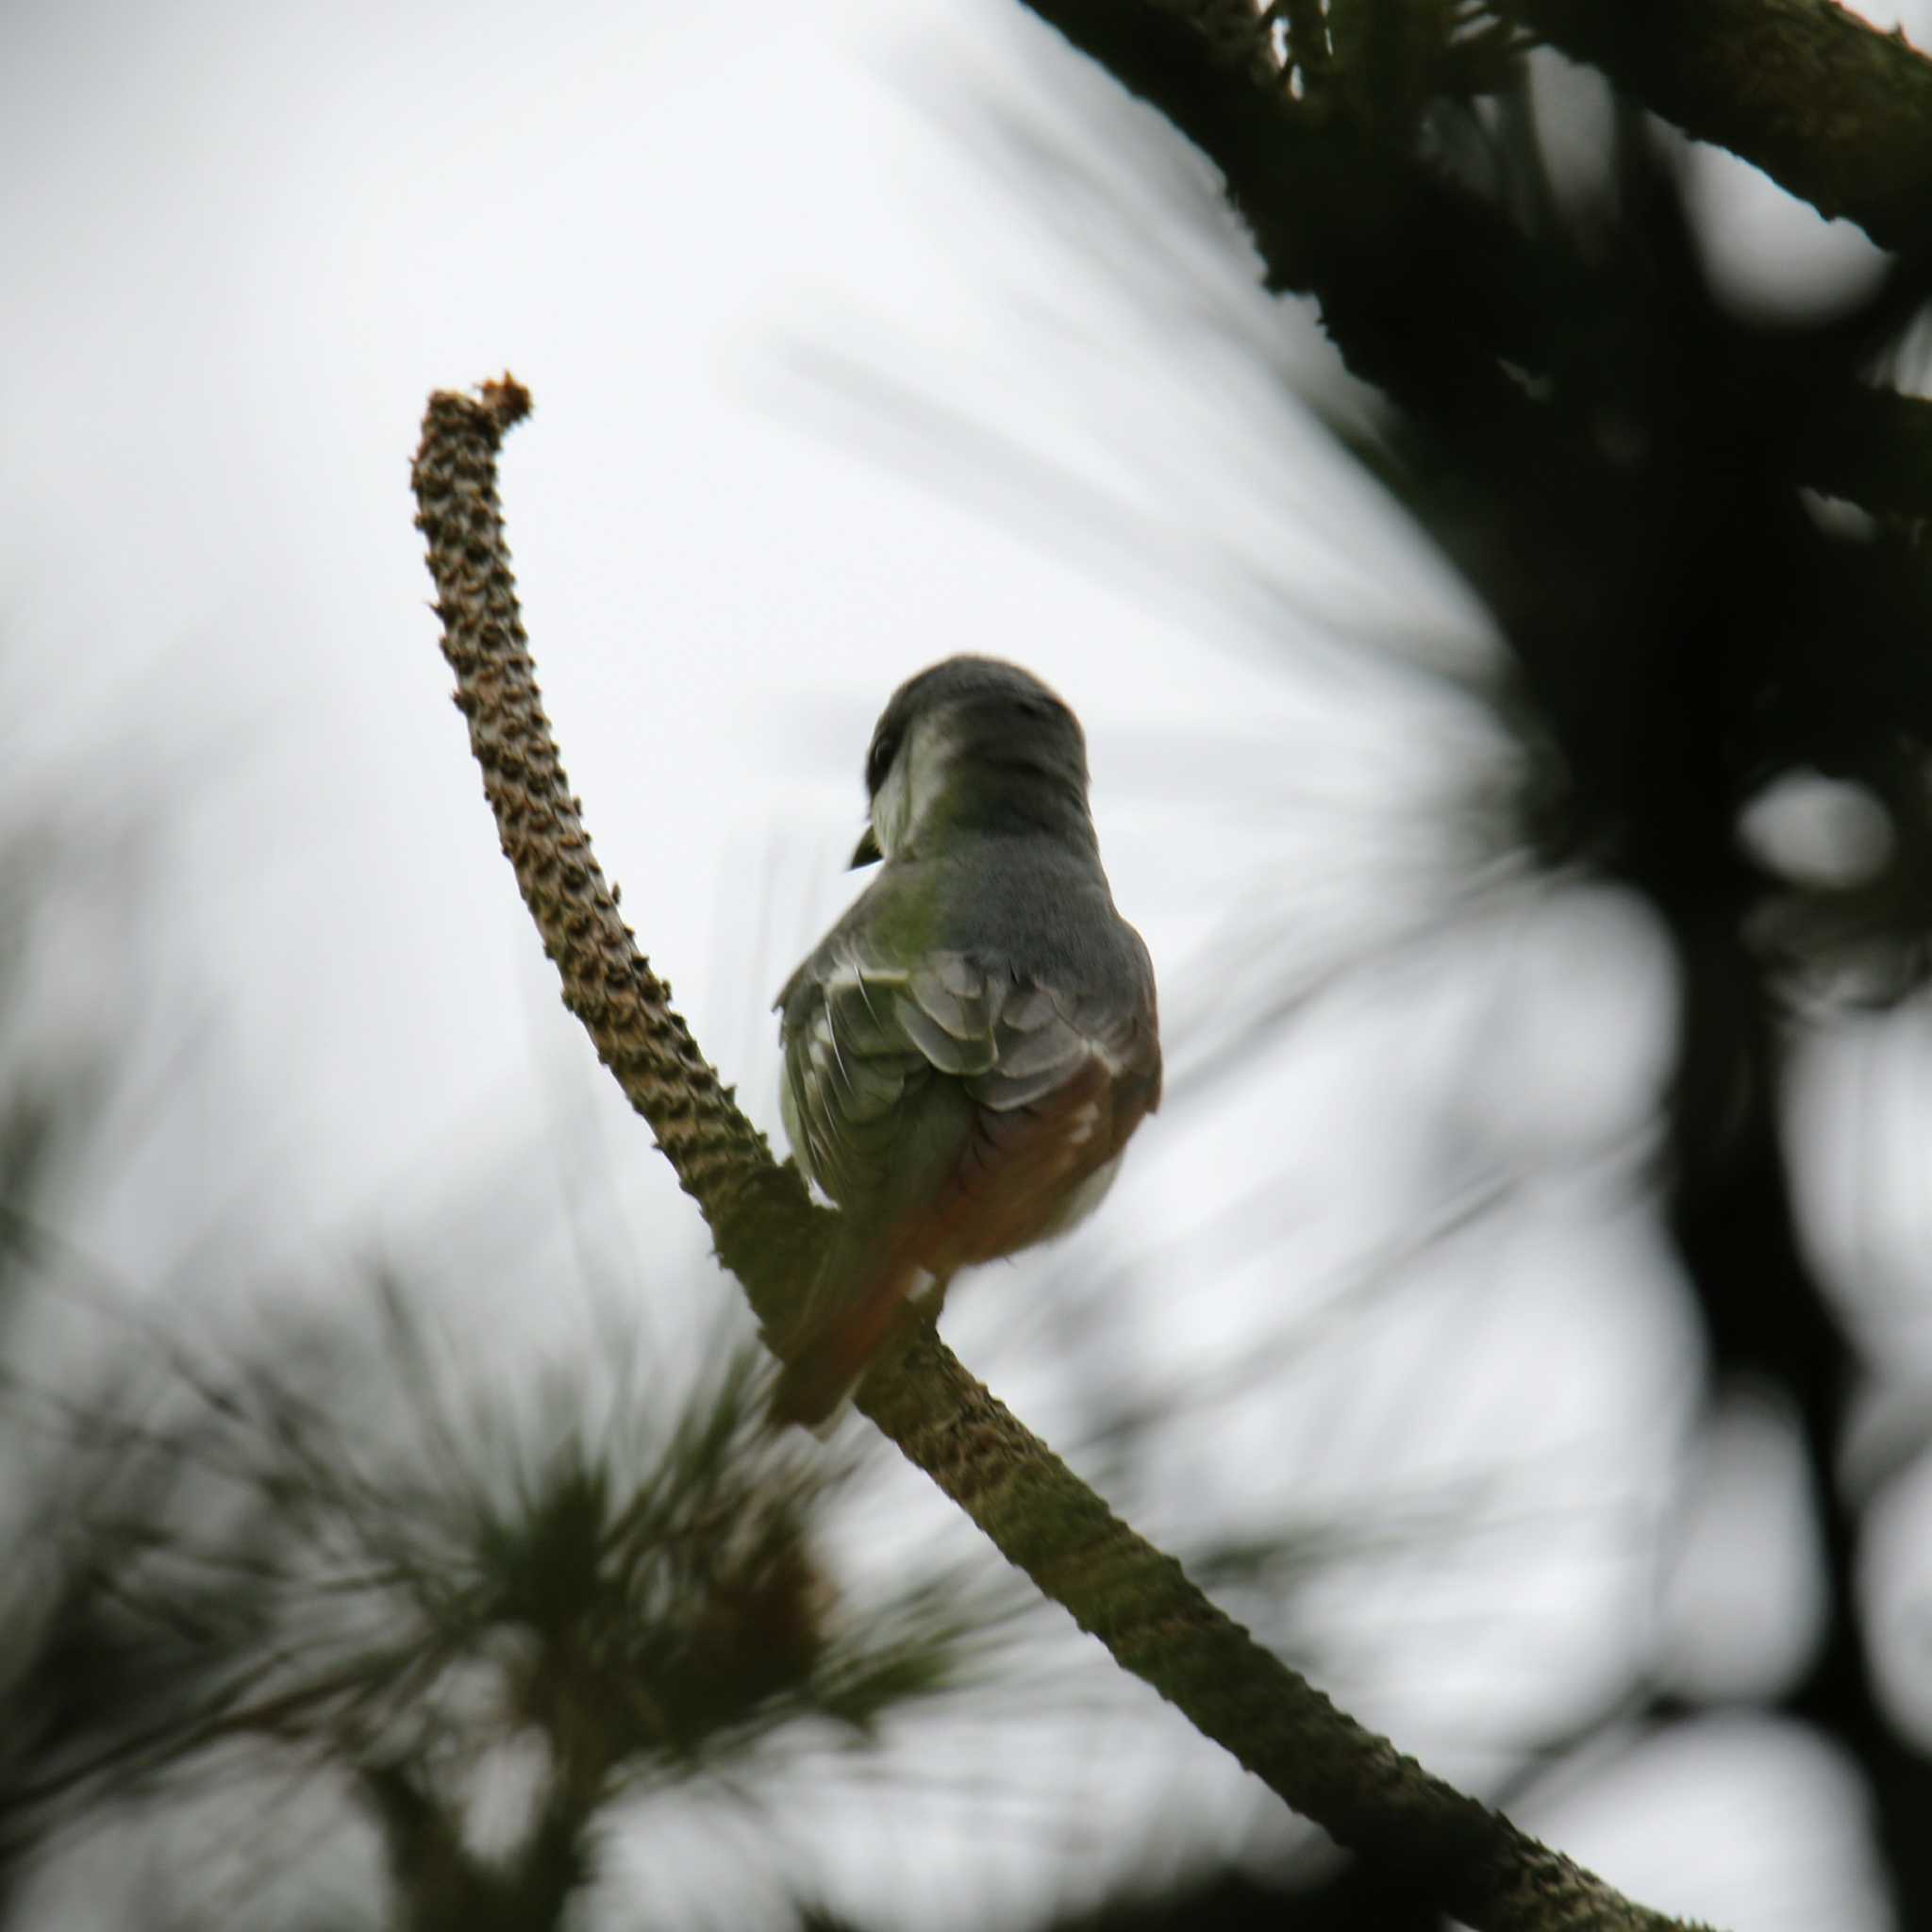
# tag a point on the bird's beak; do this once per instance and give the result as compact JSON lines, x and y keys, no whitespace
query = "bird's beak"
{"x":866,"y":852}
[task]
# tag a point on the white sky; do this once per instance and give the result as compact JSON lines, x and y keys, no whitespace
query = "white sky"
{"x":244,"y":245}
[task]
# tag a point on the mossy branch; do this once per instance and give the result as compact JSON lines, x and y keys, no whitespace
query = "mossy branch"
{"x":1036,"y":1511}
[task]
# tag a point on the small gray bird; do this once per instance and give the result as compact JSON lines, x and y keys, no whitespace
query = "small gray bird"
{"x":969,"y":1049}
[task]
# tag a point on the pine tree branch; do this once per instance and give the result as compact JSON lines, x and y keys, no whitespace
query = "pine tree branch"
{"x":1340,"y":209}
{"x":1835,"y":111}
{"x":1034,"y":1510}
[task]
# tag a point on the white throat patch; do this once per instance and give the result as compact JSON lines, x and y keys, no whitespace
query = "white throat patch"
{"x":917,"y":780}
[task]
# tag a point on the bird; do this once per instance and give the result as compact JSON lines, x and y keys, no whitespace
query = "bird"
{"x":969,"y":1049}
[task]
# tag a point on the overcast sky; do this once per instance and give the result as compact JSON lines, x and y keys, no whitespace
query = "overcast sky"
{"x":859,"y":335}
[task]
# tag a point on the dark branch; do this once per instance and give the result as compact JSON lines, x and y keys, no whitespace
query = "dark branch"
{"x":1835,"y":111}
{"x":1428,"y":290}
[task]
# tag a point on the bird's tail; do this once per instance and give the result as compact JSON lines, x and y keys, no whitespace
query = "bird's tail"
{"x":824,"y":1368}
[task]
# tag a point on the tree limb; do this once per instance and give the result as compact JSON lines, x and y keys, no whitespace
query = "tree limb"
{"x":1341,"y":210}
{"x":1034,"y":1510}
{"x":1835,"y":111}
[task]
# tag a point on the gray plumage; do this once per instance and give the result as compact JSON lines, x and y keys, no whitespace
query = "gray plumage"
{"x":969,"y":1048}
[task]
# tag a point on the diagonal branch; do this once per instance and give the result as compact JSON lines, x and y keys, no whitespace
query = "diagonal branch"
{"x":1040,"y":1515}
{"x":1834,"y":111}
{"x":1342,"y":209}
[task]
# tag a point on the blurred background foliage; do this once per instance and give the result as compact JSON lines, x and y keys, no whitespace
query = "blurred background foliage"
{"x":322,"y":1620}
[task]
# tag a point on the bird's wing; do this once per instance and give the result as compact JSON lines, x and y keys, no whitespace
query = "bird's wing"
{"x":950,"y":1106}
{"x":863,"y":1036}
{"x":1043,"y":1039}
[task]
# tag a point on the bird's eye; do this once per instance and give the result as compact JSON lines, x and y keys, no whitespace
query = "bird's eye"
{"x":878,"y":761}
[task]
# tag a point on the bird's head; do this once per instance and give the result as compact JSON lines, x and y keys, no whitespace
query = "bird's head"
{"x":974,"y":746}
